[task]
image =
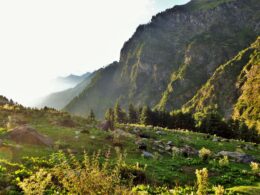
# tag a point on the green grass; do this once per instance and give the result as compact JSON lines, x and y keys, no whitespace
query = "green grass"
{"x":162,"y":170}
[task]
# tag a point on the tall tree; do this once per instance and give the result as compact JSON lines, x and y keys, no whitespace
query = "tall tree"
{"x":110,"y":118}
{"x":92,"y":116}
{"x":146,"y":115}
{"x":132,"y":114}
{"x":120,"y":115}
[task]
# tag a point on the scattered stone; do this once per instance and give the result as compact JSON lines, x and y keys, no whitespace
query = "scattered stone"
{"x":136,"y":131}
{"x":215,"y":139}
{"x":237,"y":156}
{"x":105,"y":126}
{"x":92,"y":137}
{"x":161,"y":146}
{"x":122,"y":133}
{"x":248,"y":147}
{"x":188,"y":151}
{"x":157,"y":142}
{"x":175,"y":150}
{"x":147,"y":154}
{"x":168,"y":148}
{"x":170,"y":143}
{"x":142,"y":146}
{"x":144,"y":135}
{"x":160,"y":133}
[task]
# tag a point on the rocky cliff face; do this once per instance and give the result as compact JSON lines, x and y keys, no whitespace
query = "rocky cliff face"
{"x":169,"y":59}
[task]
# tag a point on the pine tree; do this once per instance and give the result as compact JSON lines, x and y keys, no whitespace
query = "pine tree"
{"x":109,"y":116}
{"x":92,"y":116}
{"x":132,"y":114}
{"x":120,"y":115}
{"x":146,"y":116}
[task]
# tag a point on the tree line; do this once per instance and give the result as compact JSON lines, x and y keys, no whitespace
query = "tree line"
{"x":211,"y":123}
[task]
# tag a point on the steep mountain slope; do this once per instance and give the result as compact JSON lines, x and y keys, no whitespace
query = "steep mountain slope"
{"x":60,"y":99}
{"x":169,"y":59}
{"x":248,"y":104}
{"x":233,"y":88}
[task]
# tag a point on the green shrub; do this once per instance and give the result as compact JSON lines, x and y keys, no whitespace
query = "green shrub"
{"x":255,"y":167}
{"x":202,"y":181}
{"x":205,"y":153}
{"x":219,"y":190}
{"x":223,"y":162}
{"x":73,"y":176}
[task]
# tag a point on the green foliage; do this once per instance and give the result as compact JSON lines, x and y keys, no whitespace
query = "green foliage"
{"x":120,"y":115}
{"x":132,"y":114}
{"x":223,"y":162}
{"x":202,"y":181}
{"x":205,"y":154}
{"x":37,"y":183}
{"x":146,"y":116}
{"x":72,"y":176}
{"x":255,"y":167}
{"x":92,"y":116}
{"x":110,"y":117}
{"x":219,"y":190}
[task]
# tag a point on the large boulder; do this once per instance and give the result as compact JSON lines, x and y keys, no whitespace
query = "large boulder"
{"x":237,"y":156}
{"x":27,"y":135}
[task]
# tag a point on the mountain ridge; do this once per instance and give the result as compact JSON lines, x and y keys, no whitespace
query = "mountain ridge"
{"x":167,"y":61}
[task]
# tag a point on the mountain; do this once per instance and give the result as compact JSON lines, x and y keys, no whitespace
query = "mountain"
{"x":60,"y":99}
{"x":167,"y":61}
{"x":72,"y":79}
{"x":234,"y":88}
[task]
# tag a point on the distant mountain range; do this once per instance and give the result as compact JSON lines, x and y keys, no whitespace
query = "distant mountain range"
{"x":72,"y":79}
{"x":73,"y":86}
{"x":193,"y":57}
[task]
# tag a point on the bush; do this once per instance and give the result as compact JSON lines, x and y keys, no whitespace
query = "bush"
{"x":205,"y":154}
{"x":219,"y":190}
{"x":72,"y":176}
{"x":255,"y":167}
{"x":223,"y":162}
{"x":202,"y":181}
{"x":134,"y":173}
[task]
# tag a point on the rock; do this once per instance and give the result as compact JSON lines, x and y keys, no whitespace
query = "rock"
{"x":136,"y":131}
{"x":170,"y":143}
{"x":168,"y":148}
{"x":188,"y":151}
{"x":142,"y":146}
{"x":237,"y":156}
{"x":28,"y":135}
{"x":157,"y":142}
{"x":215,"y":139}
{"x":106,"y":125}
{"x":161,"y":146}
{"x":160,"y":133}
{"x":144,"y":135}
{"x":147,"y":154}
{"x":122,"y":133}
{"x":248,"y":147}
{"x":92,"y":137}
{"x":175,"y":150}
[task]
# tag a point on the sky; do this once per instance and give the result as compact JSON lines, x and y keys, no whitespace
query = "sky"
{"x":43,"y":39}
